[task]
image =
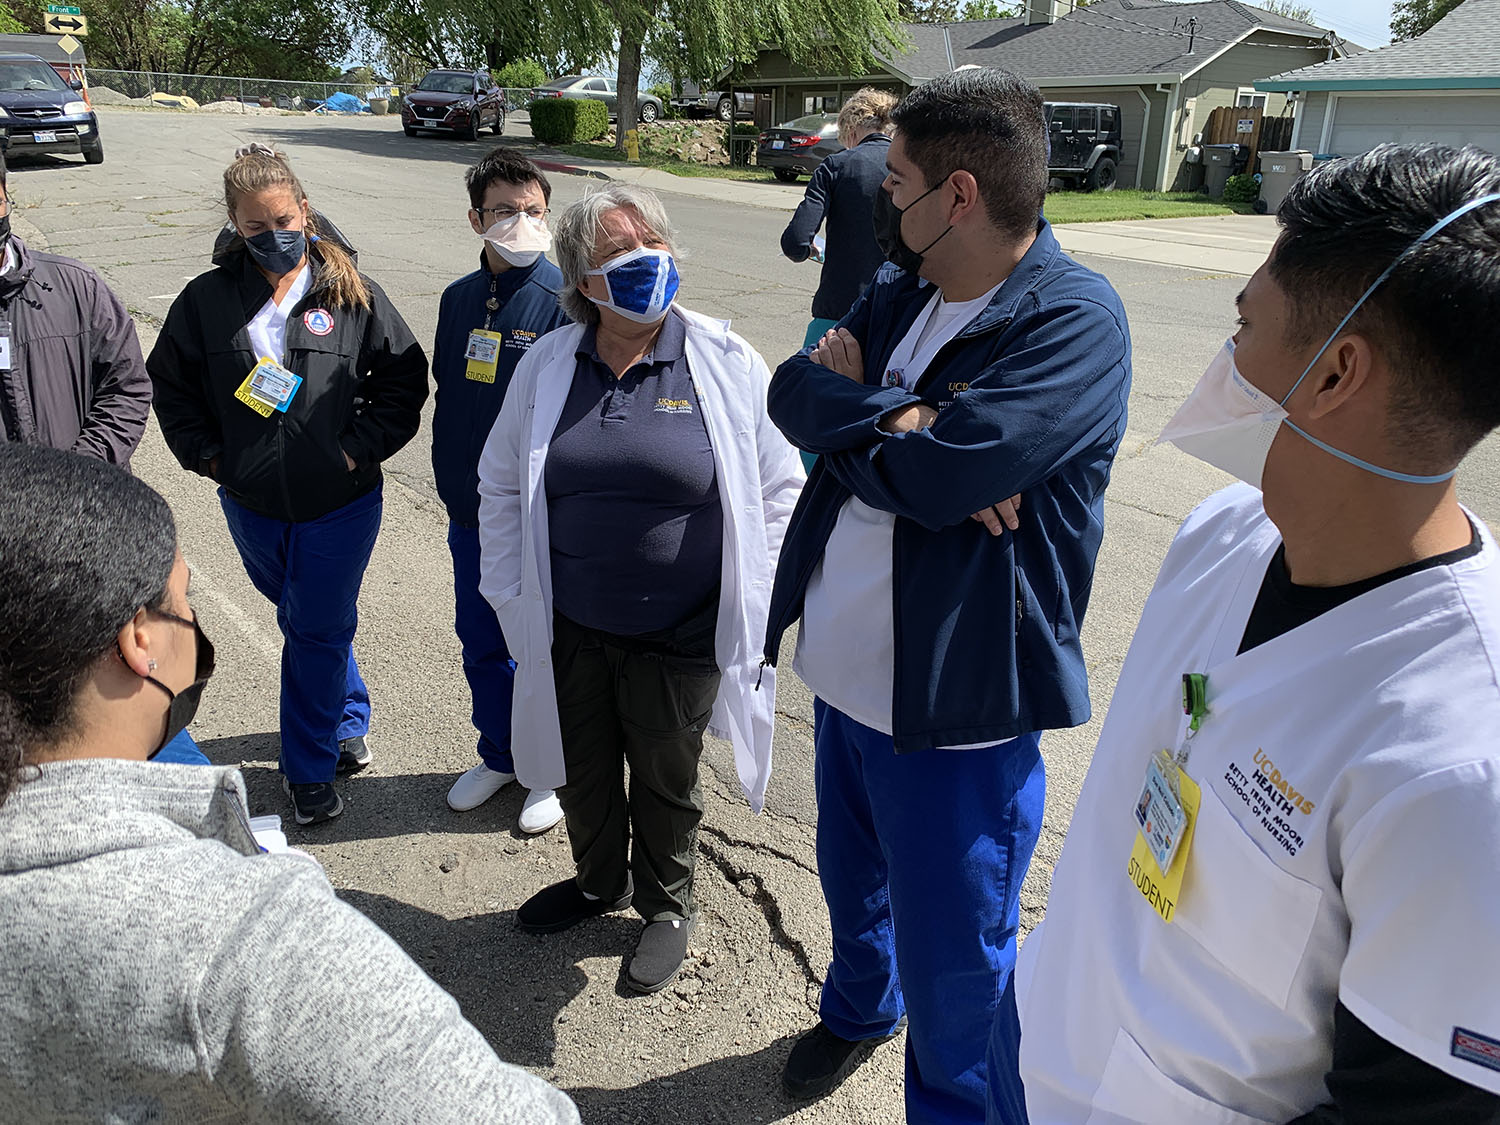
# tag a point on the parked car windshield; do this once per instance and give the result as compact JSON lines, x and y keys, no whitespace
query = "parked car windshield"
{"x":448,"y":83}
{"x":29,"y":76}
{"x":813,"y":123}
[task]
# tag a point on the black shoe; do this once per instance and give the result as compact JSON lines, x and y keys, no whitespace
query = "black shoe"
{"x":315,"y":803}
{"x":658,"y":955}
{"x":354,"y":755}
{"x":820,"y":1060}
{"x":562,"y":905}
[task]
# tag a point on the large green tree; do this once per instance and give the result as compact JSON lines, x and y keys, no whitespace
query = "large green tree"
{"x":254,"y":38}
{"x":1411,"y":18}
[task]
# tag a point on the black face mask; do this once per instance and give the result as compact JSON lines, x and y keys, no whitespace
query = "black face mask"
{"x":183,"y":705}
{"x":278,"y":251}
{"x":888,"y":231}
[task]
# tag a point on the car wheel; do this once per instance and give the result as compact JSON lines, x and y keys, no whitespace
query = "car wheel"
{"x":473,"y":133}
{"x":94,"y":155}
{"x":648,"y":112}
{"x":1102,"y":177}
{"x":408,"y":130}
{"x":725,"y":109}
{"x":499,"y":126}
{"x":785,"y":175}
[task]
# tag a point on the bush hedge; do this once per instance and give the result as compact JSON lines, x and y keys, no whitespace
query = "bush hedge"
{"x":520,"y":74}
{"x":563,"y":121}
{"x":1241,"y":189}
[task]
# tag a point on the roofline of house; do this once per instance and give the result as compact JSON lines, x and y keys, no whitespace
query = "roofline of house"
{"x":1281,"y":85}
{"x":1154,"y":78}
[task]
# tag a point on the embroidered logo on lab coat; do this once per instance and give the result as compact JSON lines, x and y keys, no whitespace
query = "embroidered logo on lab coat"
{"x":1272,"y":799}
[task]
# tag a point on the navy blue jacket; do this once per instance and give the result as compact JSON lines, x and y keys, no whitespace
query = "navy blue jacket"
{"x":842,"y":196}
{"x":1031,"y":399}
{"x":465,"y":410}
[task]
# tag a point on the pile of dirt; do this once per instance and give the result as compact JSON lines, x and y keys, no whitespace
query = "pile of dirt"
{"x":229,"y":105}
{"x":697,"y":142}
{"x":103,"y":95}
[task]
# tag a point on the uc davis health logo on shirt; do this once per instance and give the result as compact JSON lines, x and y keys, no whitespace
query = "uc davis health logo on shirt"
{"x":1272,"y":800}
{"x":520,"y":339}
{"x":673,"y":406}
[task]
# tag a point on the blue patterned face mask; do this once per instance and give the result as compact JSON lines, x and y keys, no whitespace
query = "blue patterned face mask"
{"x":641,"y":283}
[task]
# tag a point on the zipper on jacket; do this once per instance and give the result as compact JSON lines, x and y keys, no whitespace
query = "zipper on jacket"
{"x":286,"y":490}
{"x":1020,"y":604}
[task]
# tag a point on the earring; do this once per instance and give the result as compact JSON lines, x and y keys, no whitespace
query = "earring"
{"x":150,"y":665}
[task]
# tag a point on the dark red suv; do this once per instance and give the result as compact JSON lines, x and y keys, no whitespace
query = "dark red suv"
{"x":454,"y":101}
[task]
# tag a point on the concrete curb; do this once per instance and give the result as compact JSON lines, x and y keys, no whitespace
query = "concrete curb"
{"x":571,"y":169}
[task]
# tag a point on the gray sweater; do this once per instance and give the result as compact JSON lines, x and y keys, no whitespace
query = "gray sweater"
{"x":155,"y":966}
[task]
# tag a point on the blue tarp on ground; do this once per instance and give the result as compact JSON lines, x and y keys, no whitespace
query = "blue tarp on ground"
{"x":344,"y":103}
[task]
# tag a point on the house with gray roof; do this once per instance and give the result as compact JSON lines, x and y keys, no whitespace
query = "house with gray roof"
{"x":1166,"y":65}
{"x":1442,"y":86}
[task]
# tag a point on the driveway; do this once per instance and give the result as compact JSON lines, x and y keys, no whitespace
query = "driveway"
{"x":1221,"y":244}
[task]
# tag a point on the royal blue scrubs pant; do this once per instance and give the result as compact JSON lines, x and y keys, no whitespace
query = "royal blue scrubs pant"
{"x":312,"y":572}
{"x":487,"y":664}
{"x":921,"y":857}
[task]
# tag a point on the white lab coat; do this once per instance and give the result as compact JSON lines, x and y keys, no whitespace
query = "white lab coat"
{"x":1345,"y":848}
{"x":759,"y":476}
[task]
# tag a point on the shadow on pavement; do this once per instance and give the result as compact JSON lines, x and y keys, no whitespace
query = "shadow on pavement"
{"x":460,"y":153}
{"x":738,"y":1090}
{"x":375,"y":805}
{"x":515,"y":994}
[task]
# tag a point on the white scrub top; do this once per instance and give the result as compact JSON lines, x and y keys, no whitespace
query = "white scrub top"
{"x":1347,"y":848}
{"x":268,"y":327}
{"x":846,"y":642}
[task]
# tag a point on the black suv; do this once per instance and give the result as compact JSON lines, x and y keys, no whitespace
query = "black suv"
{"x":454,"y":101}
{"x":1085,"y":143}
{"x":39,"y":112}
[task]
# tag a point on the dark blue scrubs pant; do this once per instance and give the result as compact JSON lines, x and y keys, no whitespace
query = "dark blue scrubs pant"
{"x":487,"y":664}
{"x":312,"y":572}
{"x":921,"y":857}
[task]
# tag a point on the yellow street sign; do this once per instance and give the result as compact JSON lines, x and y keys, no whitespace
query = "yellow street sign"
{"x":69,"y":44}
{"x":55,"y":24}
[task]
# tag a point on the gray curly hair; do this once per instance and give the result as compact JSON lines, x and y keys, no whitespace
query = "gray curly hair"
{"x":575,"y":239}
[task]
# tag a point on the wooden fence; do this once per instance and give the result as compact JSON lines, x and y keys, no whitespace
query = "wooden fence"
{"x":1240,"y":125}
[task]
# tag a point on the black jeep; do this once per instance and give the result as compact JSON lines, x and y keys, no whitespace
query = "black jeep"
{"x":1085,"y":144}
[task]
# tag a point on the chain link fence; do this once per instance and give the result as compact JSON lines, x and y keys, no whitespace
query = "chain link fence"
{"x":243,"y":95}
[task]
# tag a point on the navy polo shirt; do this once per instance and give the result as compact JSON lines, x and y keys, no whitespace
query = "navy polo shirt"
{"x":633,"y":507}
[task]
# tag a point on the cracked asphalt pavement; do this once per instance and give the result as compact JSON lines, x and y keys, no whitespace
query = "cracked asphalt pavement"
{"x":710,"y":1048}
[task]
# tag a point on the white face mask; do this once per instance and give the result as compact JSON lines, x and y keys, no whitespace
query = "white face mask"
{"x":520,"y":239}
{"x":1226,"y":421}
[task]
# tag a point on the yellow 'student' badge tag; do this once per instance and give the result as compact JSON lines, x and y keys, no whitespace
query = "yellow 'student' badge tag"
{"x":268,"y":388}
{"x":1165,"y":814}
{"x":483,"y":353}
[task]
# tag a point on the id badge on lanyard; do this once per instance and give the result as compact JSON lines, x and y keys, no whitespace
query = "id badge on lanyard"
{"x":1166,"y":812}
{"x":268,"y":388}
{"x":483,"y":355}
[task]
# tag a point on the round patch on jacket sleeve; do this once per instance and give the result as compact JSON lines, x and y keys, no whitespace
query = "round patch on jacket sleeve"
{"x":318,"y":321}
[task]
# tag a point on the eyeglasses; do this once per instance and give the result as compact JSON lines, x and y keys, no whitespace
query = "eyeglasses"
{"x":504,"y":214}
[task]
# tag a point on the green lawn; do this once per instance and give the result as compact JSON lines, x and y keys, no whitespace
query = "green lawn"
{"x":1105,"y":206}
{"x":676,"y":167}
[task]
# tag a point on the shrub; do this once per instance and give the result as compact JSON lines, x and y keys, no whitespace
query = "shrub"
{"x":520,"y":74}
{"x":744,"y":150}
{"x":562,"y":121}
{"x":1241,"y":189}
{"x":663,"y":91}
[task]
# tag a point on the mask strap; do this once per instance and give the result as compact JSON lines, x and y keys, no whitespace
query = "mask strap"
{"x":1376,"y":284}
{"x":1390,"y":474}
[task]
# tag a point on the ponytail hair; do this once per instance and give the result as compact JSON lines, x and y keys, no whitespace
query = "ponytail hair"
{"x":256,"y":168}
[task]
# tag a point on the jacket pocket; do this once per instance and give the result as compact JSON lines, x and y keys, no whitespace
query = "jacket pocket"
{"x":1253,"y":918}
{"x":1134,"y":1092}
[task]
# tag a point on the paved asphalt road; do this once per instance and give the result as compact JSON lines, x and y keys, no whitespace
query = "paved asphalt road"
{"x":147,"y":218}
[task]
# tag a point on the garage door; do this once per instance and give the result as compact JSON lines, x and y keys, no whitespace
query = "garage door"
{"x":1359,"y":124}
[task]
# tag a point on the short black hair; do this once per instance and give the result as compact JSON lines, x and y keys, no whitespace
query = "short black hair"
{"x":505,"y":165}
{"x":3,"y":186}
{"x":987,"y":122}
{"x":83,"y":546}
{"x":1436,"y":319}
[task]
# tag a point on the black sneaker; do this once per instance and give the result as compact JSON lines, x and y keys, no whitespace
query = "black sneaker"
{"x":354,"y":755}
{"x":820,"y":1060}
{"x":658,"y":955}
{"x":313,"y":803}
{"x":562,"y":905}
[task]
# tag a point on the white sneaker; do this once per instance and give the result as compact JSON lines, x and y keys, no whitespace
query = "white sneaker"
{"x":477,"y":786}
{"x":539,"y":812}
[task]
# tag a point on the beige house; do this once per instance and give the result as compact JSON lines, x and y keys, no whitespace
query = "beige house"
{"x":1166,"y":65}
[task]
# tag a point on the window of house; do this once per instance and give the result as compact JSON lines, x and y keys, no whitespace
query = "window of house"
{"x":1246,"y":98}
{"x":819,"y":103}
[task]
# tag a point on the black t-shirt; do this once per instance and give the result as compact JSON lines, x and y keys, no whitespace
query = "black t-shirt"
{"x":1372,"y":1081}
